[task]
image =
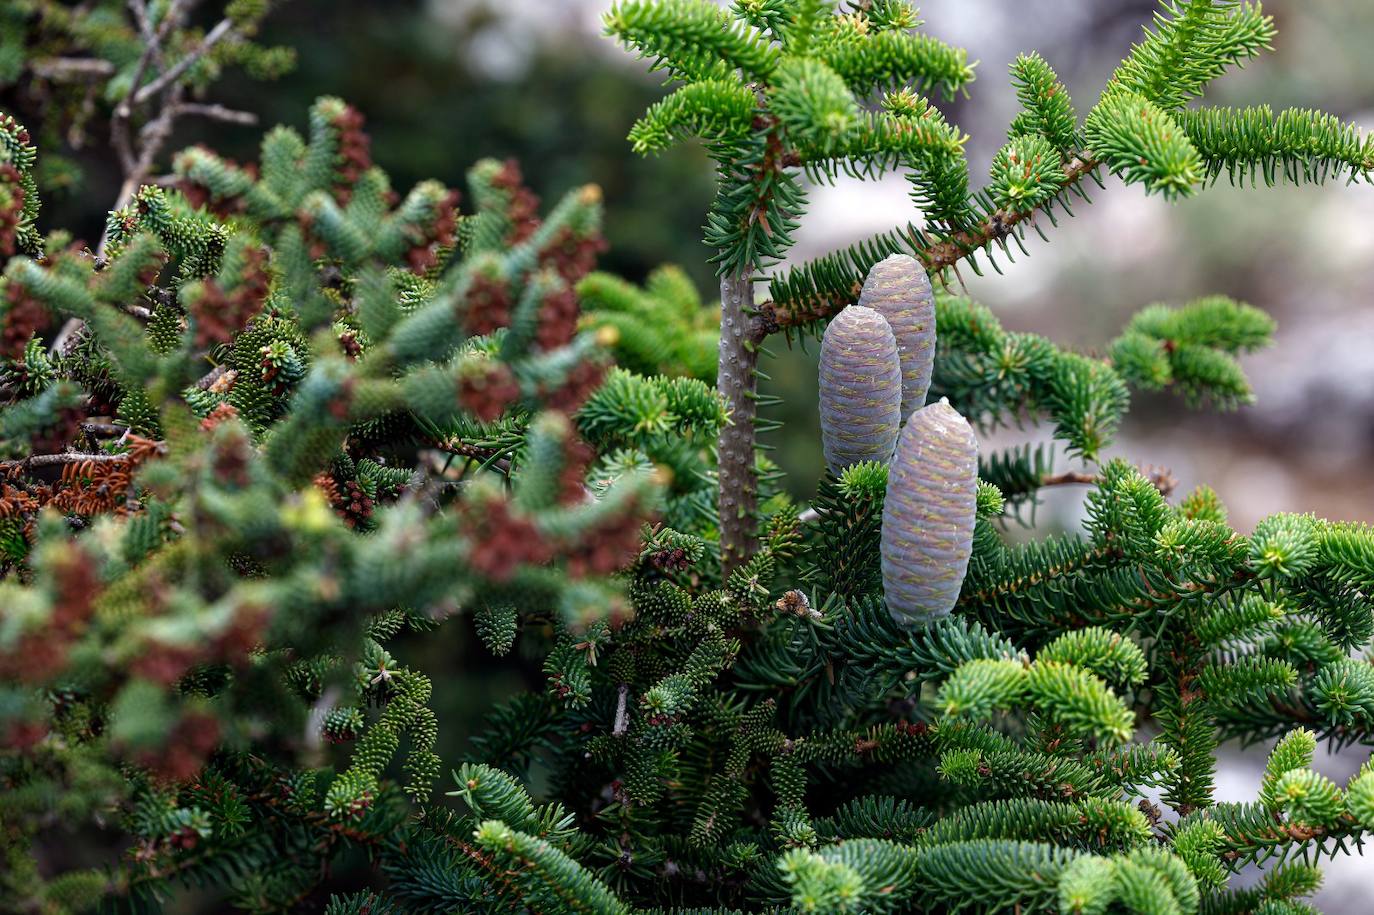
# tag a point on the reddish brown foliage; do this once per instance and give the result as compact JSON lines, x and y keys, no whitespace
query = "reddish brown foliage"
{"x":354,"y":153}
{"x":188,"y":746}
{"x":577,"y":457}
{"x":580,"y":384}
{"x":348,"y":499}
{"x":611,"y":546}
{"x":348,"y":343}
{"x":24,"y":318}
{"x":11,"y":208}
{"x":219,"y":414}
{"x":198,"y":195}
{"x":572,"y":255}
{"x":41,"y":654}
{"x":87,"y":485}
{"x":502,"y":542}
{"x":15,"y":501}
{"x":220,"y":315}
{"x":231,"y":458}
{"x":23,"y":735}
{"x":522,"y":212}
{"x":437,"y":235}
{"x":487,"y":391}
{"x":341,"y":403}
{"x":63,"y":429}
{"x":557,"y":319}
{"x":488,"y":305}
{"x":166,"y":664}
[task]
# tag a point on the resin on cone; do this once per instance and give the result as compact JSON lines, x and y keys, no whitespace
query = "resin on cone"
{"x":899,"y":290}
{"x":928,"y":515}
{"x":861,"y":389}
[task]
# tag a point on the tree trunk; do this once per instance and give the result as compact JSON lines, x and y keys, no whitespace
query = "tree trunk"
{"x":736,"y":380}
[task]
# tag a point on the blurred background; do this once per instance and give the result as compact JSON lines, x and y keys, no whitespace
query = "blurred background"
{"x":444,"y":82}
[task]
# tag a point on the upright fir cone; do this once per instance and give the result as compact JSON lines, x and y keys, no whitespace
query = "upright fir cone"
{"x":899,"y":290}
{"x":928,"y":515}
{"x":861,"y":389}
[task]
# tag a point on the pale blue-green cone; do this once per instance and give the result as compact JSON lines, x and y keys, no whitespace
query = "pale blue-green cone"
{"x":861,"y":389}
{"x":928,"y":515}
{"x":899,"y":290}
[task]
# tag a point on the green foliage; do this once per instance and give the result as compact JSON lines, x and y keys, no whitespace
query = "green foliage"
{"x":313,"y":428}
{"x":1192,"y":349}
{"x":809,"y":68}
{"x":1143,"y":144}
{"x":1192,"y":43}
{"x":1046,"y":109}
{"x":1026,"y":174}
{"x":19,"y":201}
{"x":1296,"y":145}
{"x":661,"y":328}
{"x":302,"y":421}
{"x":1139,"y":129}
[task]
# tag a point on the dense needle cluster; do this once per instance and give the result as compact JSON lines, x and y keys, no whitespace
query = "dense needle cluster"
{"x":282,"y":423}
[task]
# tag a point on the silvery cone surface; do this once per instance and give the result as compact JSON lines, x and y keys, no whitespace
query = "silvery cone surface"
{"x":861,"y":389}
{"x":899,"y":290}
{"x":928,"y":515}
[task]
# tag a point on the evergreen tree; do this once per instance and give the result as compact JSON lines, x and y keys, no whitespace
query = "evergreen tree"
{"x":282,"y":415}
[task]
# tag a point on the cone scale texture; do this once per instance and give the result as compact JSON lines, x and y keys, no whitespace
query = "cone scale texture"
{"x":860,"y":389}
{"x":928,"y":515}
{"x":899,"y":290}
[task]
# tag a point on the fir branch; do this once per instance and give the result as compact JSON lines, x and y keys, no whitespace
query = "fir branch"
{"x":819,"y":290}
{"x":720,"y":111}
{"x":897,"y":57}
{"x":1296,"y":145}
{"x":1143,"y":144}
{"x":1193,"y":42}
{"x":692,"y":39}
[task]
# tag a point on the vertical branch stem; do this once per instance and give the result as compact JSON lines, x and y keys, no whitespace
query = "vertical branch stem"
{"x":737,"y":382}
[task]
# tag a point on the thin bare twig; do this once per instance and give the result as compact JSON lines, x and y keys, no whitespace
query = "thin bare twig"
{"x":145,"y":25}
{"x":67,"y":457}
{"x":212,"y":38}
{"x":1069,"y":477}
{"x":475,"y":452}
{"x":136,"y":160}
{"x":1161,"y":478}
{"x":622,"y":718}
{"x":120,"y":121}
{"x":95,"y":428}
{"x":218,"y":113}
{"x":68,"y":337}
{"x":152,"y":138}
{"x":72,"y":69}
